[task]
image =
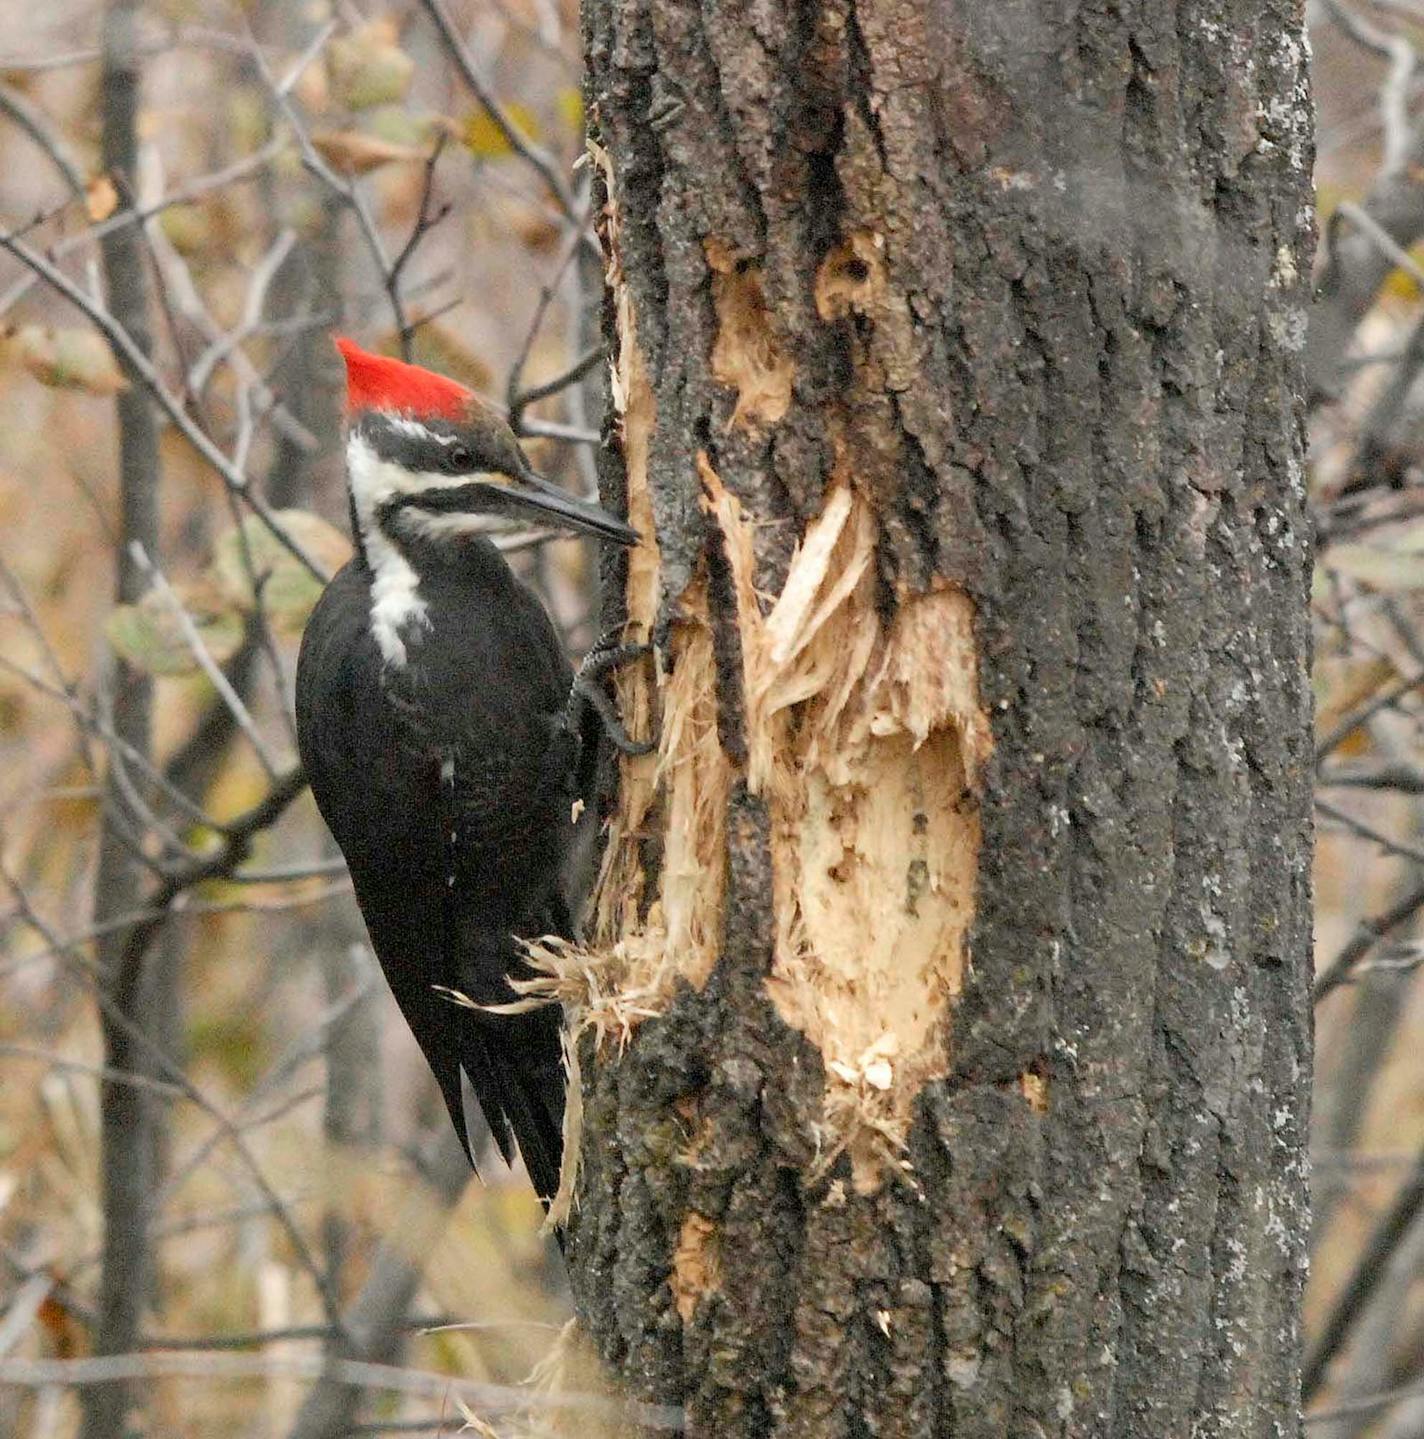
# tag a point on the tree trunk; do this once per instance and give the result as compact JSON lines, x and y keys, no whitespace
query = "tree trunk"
{"x":944,"y":1022}
{"x":136,"y":998}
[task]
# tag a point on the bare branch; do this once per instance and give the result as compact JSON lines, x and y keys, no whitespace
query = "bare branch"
{"x":387,"y":1378}
{"x":144,"y":372}
{"x":426,"y":220}
{"x":247,"y":167}
{"x":576,"y":372}
{"x":1367,"y":935}
{"x":534,"y":155}
{"x":34,"y":125}
{"x":376,"y":1318}
{"x":206,"y":662}
{"x":1359,"y":1288}
{"x":1365,"y":713}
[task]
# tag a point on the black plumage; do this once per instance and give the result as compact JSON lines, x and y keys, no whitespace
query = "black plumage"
{"x":449,"y":784}
{"x":447,"y":740}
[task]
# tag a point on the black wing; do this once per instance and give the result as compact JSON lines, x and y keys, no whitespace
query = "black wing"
{"x":412,"y":818}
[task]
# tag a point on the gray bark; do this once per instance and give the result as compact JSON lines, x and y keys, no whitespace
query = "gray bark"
{"x":131,"y":1119}
{"x":1030,"y":279}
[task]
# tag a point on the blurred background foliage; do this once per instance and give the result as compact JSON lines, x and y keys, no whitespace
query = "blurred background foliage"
{"x":312,"y":167}
{"x":377,"y":193}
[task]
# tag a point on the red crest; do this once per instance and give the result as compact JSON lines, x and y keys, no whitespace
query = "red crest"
{"x":377,"y":382}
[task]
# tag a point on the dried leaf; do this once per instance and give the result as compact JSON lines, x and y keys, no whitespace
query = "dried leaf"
{"x":70,"y":359}
{"x":101,"y":198}
{"x":353,"y":153}
{"x":289,"y":590}
{"x":190,"y":229}
{"x":313,"y":89}
{"x":63,"y":1331}
{"x":369,"y":68}
{"x":532,"y":223}
{"x":149,"y":635}
{"x":1343,"y":683}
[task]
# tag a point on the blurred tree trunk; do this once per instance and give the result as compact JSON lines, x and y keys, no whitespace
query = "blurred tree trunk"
{"x":947,"y":1069}
{"x":136,"y":997}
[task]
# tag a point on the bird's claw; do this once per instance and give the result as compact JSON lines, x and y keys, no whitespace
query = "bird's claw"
{"x":606,"y":656}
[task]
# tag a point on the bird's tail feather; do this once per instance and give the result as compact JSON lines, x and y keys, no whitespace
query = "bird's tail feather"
{"x":511,"y":1063}
{"x":515,"y":1070}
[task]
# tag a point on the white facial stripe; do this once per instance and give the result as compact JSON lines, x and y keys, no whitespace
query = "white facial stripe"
{"x":374,"y":480}
{"x":444,"y":527}
{"x":396,"y":603}
{"x":414,"y":430}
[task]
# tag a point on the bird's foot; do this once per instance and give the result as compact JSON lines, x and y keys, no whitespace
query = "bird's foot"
{"x":605,"y":657}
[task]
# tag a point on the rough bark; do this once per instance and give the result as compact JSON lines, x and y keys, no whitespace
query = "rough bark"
{"x":944,"y":1021}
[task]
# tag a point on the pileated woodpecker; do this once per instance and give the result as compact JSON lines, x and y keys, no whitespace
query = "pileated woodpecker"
{"x":441,"y":728}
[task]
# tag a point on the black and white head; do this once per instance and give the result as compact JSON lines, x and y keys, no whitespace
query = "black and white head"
{"x":427,"y":460}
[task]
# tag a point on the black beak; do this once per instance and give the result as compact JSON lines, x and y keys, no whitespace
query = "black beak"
{"x":526,"y":496}
{"x":553,"y":505}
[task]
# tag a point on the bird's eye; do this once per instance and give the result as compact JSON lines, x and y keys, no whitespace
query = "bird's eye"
{"x":459,"y":459}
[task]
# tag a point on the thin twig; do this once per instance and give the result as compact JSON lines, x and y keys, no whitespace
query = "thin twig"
{"x":425,"y":221}
{"x":119,"y":337}
{"x":386,"y":1378}
{"x":1358,"y":1289}
{"x":138,"y":1038}
{"x":98,"y":1071}
{"x":32,"y":123}
{"x":1412,"y":853}
{"x":533,"y":154}
{"x":1365,"y":713}
{"x":1367,"y":935}
{"x":515,"y":402}
{"x":576,"y":372}
{"x":241,"y":169}
{"x":209,"y":666}
{"x":256,"y":1338}
{"x":1386,"y":243}
{"x":1397,"y":777}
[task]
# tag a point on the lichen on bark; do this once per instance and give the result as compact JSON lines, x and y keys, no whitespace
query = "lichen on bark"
{"x":947,"y":1045}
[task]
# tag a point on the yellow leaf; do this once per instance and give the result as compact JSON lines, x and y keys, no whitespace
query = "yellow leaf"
{"x":570,"y":105}
{"x":356,"y":154}
{"x":190,"y":229}
{"x":248,"y":122}
{"x":1401,"y":285}
{"x":487,"y":141}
